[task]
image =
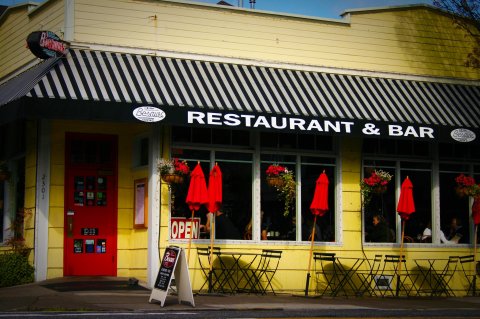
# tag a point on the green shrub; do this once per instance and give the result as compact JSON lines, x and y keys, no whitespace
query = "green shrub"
{"x":14,"y":270}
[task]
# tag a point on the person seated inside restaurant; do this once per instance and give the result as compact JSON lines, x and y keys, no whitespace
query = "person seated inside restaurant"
{"x":458,"y":234}
{"x":224,"y":227}
{"x":427,"y":235}
{"x":378,"y":232}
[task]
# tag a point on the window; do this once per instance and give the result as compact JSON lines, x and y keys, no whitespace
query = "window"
{"x":141,"y":151}
{"x":380,"y":213}
{"x":421,"y":176}
{"x":451,"y":204}
{"x":259,"y":216}
{"x":236,"y":210}
{"x":210,"y":136}
{"x":278,"y":226}
{"x":296,"y":141}
{"x":311,"y":168}
{"x":403,"y":148}
{"x":451,"y":220}
{"x":455,"y":210}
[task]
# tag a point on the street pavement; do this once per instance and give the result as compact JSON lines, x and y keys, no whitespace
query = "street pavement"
{"x":107,"y":294}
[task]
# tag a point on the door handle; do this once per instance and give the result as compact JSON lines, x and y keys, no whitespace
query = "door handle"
{"x":70,"y":214}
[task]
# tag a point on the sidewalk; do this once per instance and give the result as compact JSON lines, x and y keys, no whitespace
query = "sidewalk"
{"x":115,"y":294}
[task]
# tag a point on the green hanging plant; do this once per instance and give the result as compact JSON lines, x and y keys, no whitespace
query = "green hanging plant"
{"x":284,"y":182}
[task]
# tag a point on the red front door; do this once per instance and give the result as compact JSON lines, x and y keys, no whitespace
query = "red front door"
{"x":90,"y":237}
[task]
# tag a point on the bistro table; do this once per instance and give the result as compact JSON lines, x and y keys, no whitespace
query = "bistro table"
{"x":239,"y":270}
{"x":337,"y":273}
{"x":436,"y":274}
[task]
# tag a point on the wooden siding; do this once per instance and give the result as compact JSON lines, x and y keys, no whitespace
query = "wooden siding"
{"x":415,"y":41}
{"x":16,"y":26}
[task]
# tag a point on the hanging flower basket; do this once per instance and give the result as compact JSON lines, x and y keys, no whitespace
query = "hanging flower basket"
{"x":376,"y":184}
{"x":379,"y":190}
{"x":284,"y":182}
{"x":172,"y":178}
{"x":466,"y":186}
{"x":173,"y":171}
{"x":275,"y":181}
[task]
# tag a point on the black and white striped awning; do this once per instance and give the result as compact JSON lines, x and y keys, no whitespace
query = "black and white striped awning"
{"x":245,"y":89}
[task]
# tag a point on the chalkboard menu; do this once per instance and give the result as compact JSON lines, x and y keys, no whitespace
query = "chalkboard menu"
{"x":167,"y":268}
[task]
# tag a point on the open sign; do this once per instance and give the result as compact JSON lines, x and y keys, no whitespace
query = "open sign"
{"x":181,"y":227}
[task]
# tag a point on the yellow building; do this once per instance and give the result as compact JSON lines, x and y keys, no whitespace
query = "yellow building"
{"x":83,"y":131}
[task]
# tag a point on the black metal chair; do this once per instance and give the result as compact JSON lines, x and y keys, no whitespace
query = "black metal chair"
{"x":470,"y":273}
{"x":327,"y":273}
{"x":262,"y":276}
{"x":368,"y":277}
{"x":393,"y":278}
{"x":441,"y":284}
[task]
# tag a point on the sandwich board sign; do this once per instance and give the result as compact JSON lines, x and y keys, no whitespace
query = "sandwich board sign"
{"x":174,"y":264}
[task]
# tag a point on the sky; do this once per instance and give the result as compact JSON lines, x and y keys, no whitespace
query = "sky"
{"x":317,"y":8}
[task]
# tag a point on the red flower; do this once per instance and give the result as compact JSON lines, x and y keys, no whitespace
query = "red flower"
{"x":275,"y":170}
{"x":466,"y":186}
{"x":181,"y":167}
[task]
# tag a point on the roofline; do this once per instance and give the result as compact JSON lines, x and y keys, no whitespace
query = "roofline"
{"x":33,"y":4}
{"x":391,"y":8}
{"x":344,"y":20}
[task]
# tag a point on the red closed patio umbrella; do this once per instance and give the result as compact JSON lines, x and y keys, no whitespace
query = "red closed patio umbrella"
{"x":405,"y":207}
{"x":215,"y":189}
{"x":406,"y":204}
{"x":196,"y":197}
{"x":215,"y":194}
{"x":318,"y":207}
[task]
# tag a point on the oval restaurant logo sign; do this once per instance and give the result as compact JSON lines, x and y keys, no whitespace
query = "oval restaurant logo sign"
{"x":46,"y":44}
{"x":169,"y":258}
{"x":463,"y":135}
{"x":149,"y":114}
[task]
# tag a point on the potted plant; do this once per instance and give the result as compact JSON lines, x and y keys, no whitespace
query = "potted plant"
{"x":376,"y":183}
{"x":173,"y":171}
{"x":284,"y":182}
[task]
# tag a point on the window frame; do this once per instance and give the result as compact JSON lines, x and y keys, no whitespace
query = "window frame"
{"x":257,"y":152}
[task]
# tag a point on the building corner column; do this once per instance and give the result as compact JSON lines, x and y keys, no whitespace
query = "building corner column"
{"x":154,"y":206}
{"x":42,"y":201}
